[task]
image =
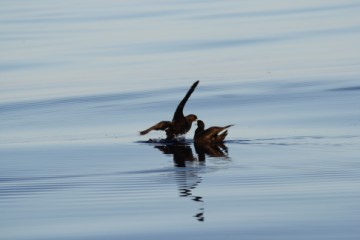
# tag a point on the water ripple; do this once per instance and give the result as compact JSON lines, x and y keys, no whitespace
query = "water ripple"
{"x":273,"y":13}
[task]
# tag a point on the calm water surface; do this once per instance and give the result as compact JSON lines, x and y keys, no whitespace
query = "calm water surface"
{"x":78,"y":80}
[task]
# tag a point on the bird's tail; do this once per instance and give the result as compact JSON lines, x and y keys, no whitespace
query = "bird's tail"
{"x":222,"y":136}
{"x":228,"y":126}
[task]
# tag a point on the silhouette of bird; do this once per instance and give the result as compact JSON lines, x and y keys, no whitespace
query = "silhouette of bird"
{"x":181,"y":153}
{"x":218,"y":150}
{"x":180,"y":124}
{"x":210,"y":135}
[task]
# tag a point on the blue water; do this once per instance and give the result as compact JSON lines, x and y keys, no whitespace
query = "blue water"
{"x":78,"y":80}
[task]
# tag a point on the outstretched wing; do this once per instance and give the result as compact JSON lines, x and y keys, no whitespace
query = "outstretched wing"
{"x":178,"y":115}
{"x":159,"y":126}
{"x":214,"y":131}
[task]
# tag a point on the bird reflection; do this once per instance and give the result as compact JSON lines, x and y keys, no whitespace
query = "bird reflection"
{"x":187,"y":177}
{"x":212,"y":150}
{"x":181,"y":153}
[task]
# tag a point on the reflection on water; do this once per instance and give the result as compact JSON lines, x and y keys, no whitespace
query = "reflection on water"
{"x":212,"y":150}
{"x":78,"y":78}
{"x":182,"y":152}
{"x":189,"y":178}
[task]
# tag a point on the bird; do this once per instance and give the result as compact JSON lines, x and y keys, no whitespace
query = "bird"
{"x":180,"y":124}
{"x":212,"y":135}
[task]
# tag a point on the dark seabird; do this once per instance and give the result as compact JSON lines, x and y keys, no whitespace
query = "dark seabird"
{"x":210,"y":135}
{"x":180,"y":124}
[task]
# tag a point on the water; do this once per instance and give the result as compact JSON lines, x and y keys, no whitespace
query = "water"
{"x":79,"y":80}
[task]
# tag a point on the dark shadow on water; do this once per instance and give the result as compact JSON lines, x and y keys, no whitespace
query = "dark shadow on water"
{"x":187,"y":175}
{"x":212,"y":150}
{"x":187,"y":178}
{"x":181,"y":153}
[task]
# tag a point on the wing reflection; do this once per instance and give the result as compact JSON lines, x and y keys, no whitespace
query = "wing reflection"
{"x":181,"y":153}
{"x":212,"y":150}
{"x":187,"y":174}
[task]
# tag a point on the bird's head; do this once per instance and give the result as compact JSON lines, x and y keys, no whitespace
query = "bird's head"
{"x":191,"y":117}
